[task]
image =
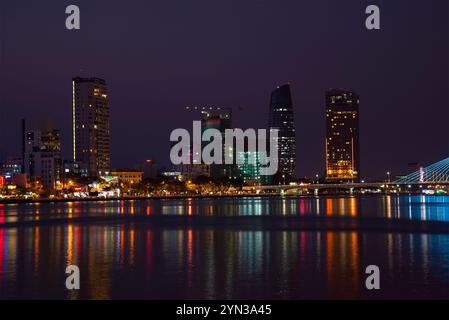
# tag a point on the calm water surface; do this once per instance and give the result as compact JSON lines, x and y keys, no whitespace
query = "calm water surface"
{"x":134,"y":259}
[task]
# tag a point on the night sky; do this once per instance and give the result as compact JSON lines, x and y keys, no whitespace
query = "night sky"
{"x":160,"y":56}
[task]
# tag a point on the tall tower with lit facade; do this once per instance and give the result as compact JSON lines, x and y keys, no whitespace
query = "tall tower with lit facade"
{"x":342,"y":136}
{"x":90,"y":113}
{"x":281,"y":117}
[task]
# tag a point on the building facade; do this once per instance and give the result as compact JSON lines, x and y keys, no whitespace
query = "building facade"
{"x":249,"y":167}
{"x":128,"y":176}
{"x":91,"y":129}
{"x":12,"y":166}
{"x":42,"y":159}
{"x":342,"y":136}
{"x":281,"y":117}
{"x":220,"y":119}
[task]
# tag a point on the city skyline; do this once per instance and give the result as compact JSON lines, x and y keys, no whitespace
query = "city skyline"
{"x":223,"y":156}
{"x":281,"y":95}
{"x":153,"y":81}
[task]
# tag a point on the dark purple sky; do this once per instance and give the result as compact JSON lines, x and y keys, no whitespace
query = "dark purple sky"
{"x":160,"y":56}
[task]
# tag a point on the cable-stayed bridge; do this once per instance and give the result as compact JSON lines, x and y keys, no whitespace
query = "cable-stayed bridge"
{"x":435,"y":174}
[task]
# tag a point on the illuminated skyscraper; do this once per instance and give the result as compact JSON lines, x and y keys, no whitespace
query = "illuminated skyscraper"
{"x":250,"y":167}
{"x":90,"y":109}
{"x":342,"y":136}
{"x":281,"y":117}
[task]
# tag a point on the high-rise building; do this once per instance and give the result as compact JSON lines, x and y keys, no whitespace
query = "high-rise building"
{"x":42,"y":154}
{"x":281,"y":117}
{"x":342,"y":136}
{"x":249,"y":167}
{"x":220,"y":119}
{"x":91,"y":135}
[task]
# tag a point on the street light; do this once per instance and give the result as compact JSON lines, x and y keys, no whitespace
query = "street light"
{"x":388,"y":176}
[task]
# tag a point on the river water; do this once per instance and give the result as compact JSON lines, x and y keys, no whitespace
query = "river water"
{"x":227,"y":248}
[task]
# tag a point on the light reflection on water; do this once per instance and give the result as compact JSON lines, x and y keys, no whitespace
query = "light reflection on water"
{"x":412,"y":207}
{"x":133,"y":262}
{"x":140,"y":261}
